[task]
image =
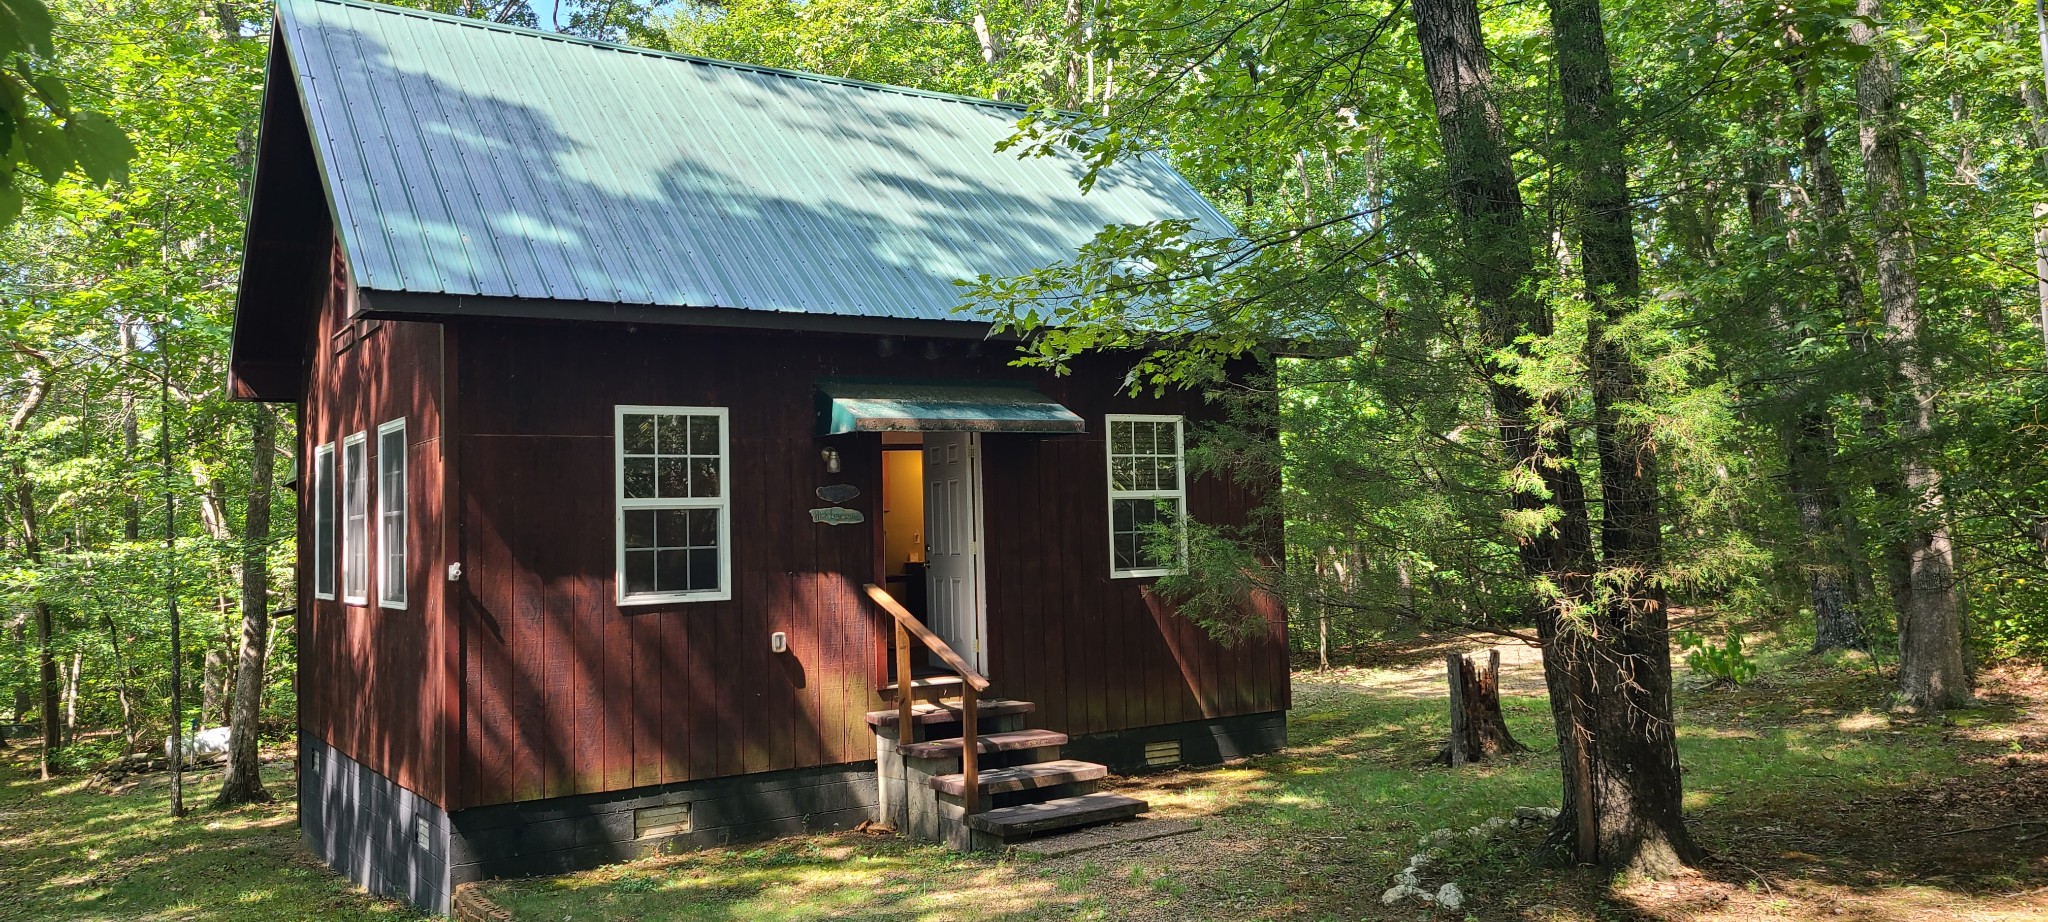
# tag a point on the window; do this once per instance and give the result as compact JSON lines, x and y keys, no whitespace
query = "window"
{"x":391,"y":514}
{"x":673,"y":531}
{"x":1147,"y":489}
{"x":355,"y":515}
{"x":323,"y":521}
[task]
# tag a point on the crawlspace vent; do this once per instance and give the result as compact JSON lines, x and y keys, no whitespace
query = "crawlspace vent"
{"x":1166,"y":753}
{"x":659,"y":822}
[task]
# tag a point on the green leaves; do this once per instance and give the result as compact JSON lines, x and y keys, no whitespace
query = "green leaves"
{"x":40,"y":131}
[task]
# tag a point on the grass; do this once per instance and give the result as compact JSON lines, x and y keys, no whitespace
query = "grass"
{"x":1810,"y":800}
{"x":70,"y":853}
{"x":1814,"y":801}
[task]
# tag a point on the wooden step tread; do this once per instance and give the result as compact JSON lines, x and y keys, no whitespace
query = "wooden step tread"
{"x":987,"y":742}
{"x":944,"y":684}
{"x":1022,"y":777}
{"x":1064,"y":813}
{"x":949,"y":712}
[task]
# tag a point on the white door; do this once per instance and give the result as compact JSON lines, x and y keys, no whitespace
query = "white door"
{"x":952,"y":516}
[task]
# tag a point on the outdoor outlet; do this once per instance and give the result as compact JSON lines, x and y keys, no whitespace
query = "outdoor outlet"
{"x":455,"y":572}
{"x":778,"y":642}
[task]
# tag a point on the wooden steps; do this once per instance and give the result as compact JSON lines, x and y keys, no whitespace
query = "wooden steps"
{"x":949,"y":712}
{"x":1022,"y":786}
{"x":1023,"y":777}
{"x":1024,"y":820}
{"x":987,"y":742}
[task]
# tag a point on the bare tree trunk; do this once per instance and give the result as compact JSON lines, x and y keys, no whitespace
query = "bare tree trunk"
{"x":244,"y":782}
{"x":32,"y":549}
{"x":71,"y":696}
{"x":129,"y":730}
{"x":1931,"y":670}
{"x":1479,"y":730}
{"x":1620,"y":666}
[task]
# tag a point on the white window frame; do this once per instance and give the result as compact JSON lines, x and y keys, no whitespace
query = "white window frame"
{"x":1179,"y":493}
{"x":326,"y":508}
{"x":357,"y":442}
{"x":621,"y":503}
{"x":381,"y":572}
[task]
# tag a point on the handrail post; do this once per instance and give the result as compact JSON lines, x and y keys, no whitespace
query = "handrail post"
{"x":904,"y":705}
{"x":970,"y":770}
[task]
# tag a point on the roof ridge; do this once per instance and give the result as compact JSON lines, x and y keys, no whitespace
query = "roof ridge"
{"x":488,"y":25}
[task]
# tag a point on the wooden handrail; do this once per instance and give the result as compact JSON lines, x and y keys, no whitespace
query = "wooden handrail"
{"x":925,"y":636}
{"x":973,"y":683}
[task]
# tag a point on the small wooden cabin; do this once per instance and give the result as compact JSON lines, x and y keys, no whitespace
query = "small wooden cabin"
{"x":622,"y":377}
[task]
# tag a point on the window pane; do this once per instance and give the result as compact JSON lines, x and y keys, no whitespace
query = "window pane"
{"x":703,"y":435}
{"x":639,"y":434}
{"x":1123,"y":474}
{"x":674,"y":477}
{"x":674,"y":575}
{"x":1126,"y":551}
{"x":670,"y":526}
{"x":674,"y":435}
{"x":640,"y":478}
{"x":1167,"y":474}
{"x":639,"y":528}
{"x":1119,"y":437}
{"x":639,"y":571}
{"x":703,"y":569}
{"x":1120,"y":514}
{"x":704,"y":478}
{"x":703,"y":528}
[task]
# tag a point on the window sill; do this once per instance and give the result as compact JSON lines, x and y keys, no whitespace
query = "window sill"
{"x":643,"y":601}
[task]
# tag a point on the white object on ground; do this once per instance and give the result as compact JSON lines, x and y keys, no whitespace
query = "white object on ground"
{"x":204,"y":744}
{"x":1450,"y":897}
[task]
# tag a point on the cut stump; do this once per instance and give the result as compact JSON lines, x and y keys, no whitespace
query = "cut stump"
{"x":1478,"y":729}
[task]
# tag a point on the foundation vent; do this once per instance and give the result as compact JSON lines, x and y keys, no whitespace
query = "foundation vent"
{"x":1162,"y":754}
{"x":423,"y":832}
{"x":661,"y":822}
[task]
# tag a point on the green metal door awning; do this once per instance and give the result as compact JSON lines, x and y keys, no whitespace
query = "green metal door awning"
{"x":849,"y":405}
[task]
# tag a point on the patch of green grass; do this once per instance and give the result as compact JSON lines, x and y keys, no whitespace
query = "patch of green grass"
{"x":73,"y":854}
{"x":1318,"y":831}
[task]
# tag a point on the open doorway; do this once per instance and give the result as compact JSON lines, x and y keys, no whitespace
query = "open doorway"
{"x":903,"y":525}
{"x":931,"y":533}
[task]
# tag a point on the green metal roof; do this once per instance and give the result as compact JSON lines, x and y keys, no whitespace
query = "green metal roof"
{"x":467,"y":158}
{"x":863,"y":405}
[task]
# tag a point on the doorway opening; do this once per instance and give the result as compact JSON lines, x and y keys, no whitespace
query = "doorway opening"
{"x":931,"y":534}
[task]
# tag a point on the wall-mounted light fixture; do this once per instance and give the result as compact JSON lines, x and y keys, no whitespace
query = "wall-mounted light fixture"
{"x":831,"y":456}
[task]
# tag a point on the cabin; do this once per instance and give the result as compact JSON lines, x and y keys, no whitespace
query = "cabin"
{"x":655,"y":493}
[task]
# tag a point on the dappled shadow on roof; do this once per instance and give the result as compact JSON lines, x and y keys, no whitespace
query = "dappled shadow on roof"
{"x":483,"y":162}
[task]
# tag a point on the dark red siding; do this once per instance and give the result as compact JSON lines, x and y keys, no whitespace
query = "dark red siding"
{"x":368,"y":678}
{"x":564,"y":692}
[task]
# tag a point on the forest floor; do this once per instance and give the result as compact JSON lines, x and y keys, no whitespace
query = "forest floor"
{"x":72,"y":850}
{"x":1814,"y":802}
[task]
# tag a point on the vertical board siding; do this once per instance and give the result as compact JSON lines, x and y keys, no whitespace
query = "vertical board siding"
{"x":369,"y":677}
{"x":568,"y":692}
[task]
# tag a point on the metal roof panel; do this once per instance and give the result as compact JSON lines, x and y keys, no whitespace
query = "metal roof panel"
{"x":469,"y":158}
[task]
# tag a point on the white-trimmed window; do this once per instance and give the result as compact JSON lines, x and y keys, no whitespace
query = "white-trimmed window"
{"x":391,"y":536}
{"x":674,"y":533}
{"x":355,"y":520}
{"x":1147,"y":489}
{"x":323,"y":521}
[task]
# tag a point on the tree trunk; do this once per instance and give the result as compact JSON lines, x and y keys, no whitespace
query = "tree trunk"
{"x":1931,"y":671}
{"x":1808,"y":436}
{"x":244,"y":782}
{"x":71,"y":696}
{"x":1609,"y":688}
{"x":1479,"y":731}
{"x":1620,"y":665}
{"x":129,"y":730}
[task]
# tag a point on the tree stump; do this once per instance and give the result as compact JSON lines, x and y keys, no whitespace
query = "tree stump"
{"x":1478,"y":729}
